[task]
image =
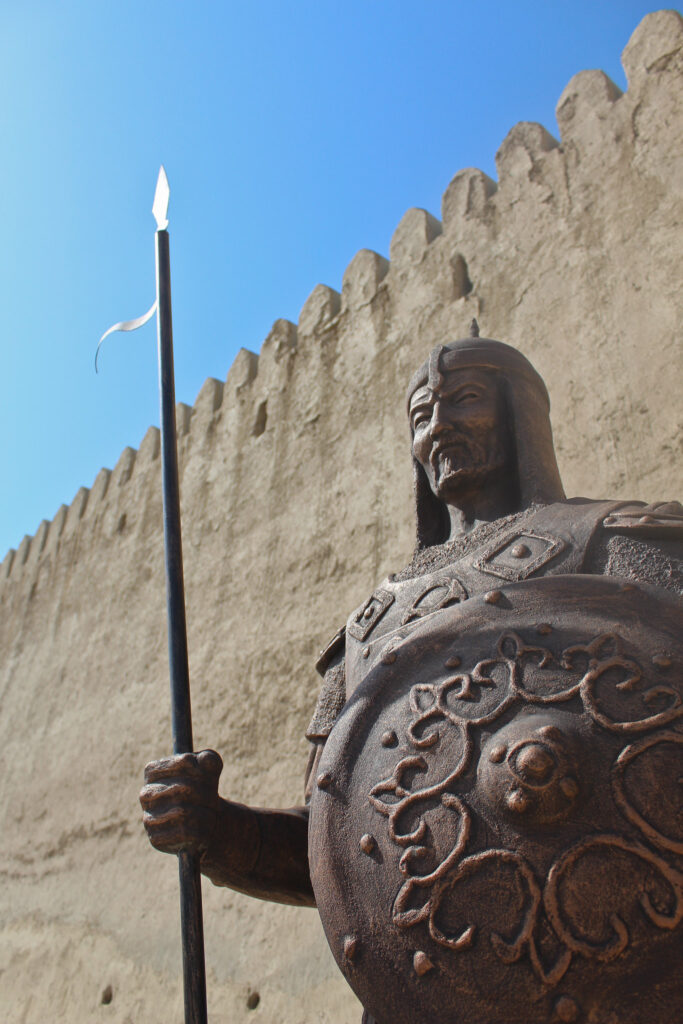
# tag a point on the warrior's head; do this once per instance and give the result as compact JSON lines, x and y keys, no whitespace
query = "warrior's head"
{"x":482,"y":441}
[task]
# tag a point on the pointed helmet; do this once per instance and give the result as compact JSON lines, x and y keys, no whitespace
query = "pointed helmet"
{"x":528,"y":418}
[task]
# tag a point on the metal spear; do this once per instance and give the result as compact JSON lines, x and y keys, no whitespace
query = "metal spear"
{"x":194,"y":976}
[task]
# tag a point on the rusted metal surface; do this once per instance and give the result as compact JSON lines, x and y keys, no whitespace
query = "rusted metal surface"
{"x":493,"y":833}
{"x":497,"y":838}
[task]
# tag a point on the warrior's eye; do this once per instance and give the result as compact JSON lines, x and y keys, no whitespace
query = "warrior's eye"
{"x":420,"y":418}
{"x":468,"y":396}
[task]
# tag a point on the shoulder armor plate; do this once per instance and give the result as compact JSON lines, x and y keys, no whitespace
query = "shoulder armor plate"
{"x":659,"y":519}
{"x":328,"y":652}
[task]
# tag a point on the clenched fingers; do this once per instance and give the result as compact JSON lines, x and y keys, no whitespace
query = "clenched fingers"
{"x":177,"y":793}
{"x":180,"y":801}
{"x":179,"y":829}
{"x":205,"y":763}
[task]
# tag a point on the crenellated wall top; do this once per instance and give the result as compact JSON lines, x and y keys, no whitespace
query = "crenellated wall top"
{"x":541,"y":182}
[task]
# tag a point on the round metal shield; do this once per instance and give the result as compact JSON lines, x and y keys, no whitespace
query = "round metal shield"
{"x":496,"y":834}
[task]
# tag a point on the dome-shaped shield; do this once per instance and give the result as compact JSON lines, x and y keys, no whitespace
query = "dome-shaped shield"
{"x":496,"y":834}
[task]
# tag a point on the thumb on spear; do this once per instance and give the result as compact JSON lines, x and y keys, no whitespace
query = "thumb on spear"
{"x":194,"y":977}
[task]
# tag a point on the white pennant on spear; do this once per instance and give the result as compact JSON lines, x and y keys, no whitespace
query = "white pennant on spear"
{"x":194,"y":976}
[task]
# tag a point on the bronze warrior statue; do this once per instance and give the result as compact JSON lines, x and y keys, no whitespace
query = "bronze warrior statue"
{"x":490,"y":830}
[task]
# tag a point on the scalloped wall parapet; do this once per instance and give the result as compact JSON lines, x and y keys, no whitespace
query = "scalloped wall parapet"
{"x":431,"y":262}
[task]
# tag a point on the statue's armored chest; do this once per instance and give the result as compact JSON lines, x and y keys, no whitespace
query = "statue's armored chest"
{"x":548,"y":541}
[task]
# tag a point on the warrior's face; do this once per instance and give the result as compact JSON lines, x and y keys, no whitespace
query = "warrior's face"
{"x":459,"y":436}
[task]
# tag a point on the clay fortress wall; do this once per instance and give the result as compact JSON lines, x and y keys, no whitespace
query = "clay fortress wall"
{"x":296,"y":491}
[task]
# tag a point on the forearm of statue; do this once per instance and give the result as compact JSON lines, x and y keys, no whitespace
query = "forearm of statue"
{"x":262,"y":853}
{"x":259,"y":852}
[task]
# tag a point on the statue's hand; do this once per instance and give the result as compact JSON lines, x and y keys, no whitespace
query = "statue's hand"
{"x":180,"y":801}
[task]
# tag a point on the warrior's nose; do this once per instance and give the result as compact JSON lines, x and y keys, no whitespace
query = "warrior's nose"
{"x":440,"y":421}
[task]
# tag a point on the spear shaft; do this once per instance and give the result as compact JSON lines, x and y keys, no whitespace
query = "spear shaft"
{"x":194,"y":976}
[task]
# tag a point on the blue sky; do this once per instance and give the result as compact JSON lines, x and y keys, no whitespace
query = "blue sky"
{"x":293,"y":133}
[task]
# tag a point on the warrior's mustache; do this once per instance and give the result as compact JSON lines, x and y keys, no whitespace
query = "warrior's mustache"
{"x":456,"y":447}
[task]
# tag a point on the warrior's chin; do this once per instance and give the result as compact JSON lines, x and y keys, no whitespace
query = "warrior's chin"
{"x":455,"y":482}
{"x":450,"y":485}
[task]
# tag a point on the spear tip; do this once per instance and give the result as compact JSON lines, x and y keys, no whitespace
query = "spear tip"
{"x":161,"y":197}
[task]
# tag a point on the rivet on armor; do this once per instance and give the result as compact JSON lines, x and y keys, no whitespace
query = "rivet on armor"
{"x":389,"y":739}
{"x":517,"y":801}
{"x":367,"y":614}
{"x":569,"y":787}
{"x":324,"y":780}
{"x":535,"y":761}
{"x":453,"y":662}
{"x":646,"y":519}
{"x":389,"y":656}
{"x":493,"y":596}
{"x":350,"y":947}
{"x":544,"y":628}
{"x":367,"y":843}
{"x":497,"y":754}
{"x":520,"y":551}
{"x":662,"y":661}
{"x":566,"y":1009}
{"x":422,"y":963}
{"x":550,"y":732}
{"x":366,"y":652}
